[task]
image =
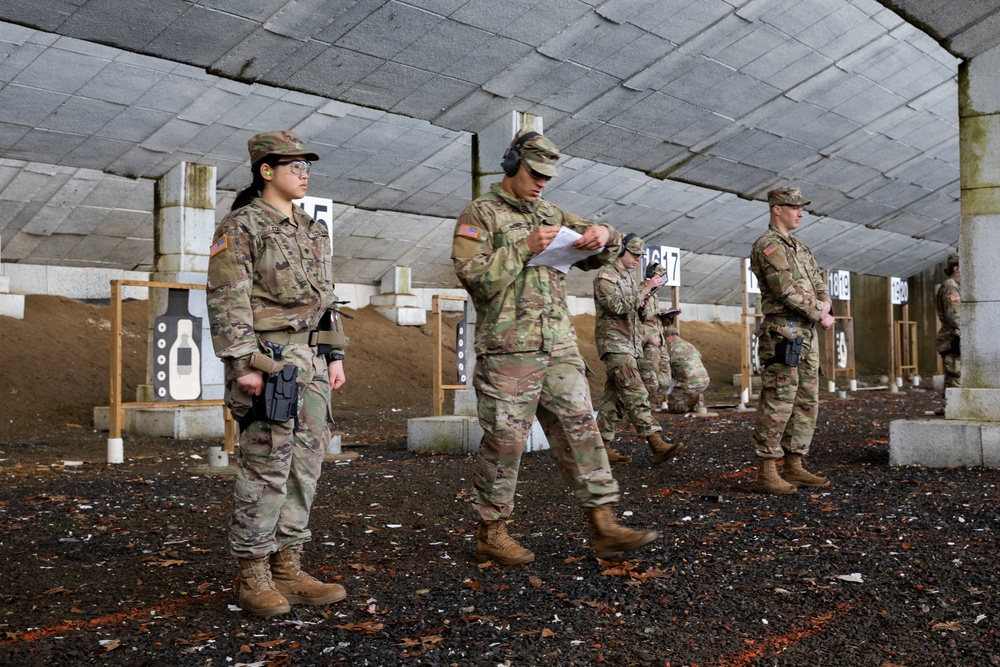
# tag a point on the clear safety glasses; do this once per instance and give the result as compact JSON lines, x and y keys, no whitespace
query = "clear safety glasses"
{"x":297,"y":167}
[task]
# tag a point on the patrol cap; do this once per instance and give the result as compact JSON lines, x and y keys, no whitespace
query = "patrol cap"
{"x":790,"y":196}
{"x":636,"y":246}
{"x":279,"y":142}
{"x":671,"y":330}
{"x":541,"y":155}
{"x":952,"y":259}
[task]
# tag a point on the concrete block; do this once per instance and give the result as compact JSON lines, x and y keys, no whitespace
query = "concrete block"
{"x":12,"y":305}
{"x":405,"y":316}
{"x":4,"y":284}
{"x":448,"y":434}
{"x":972,"y":404}
{"x":196,"y":421}
{"x":935,"y":443}
{"x":465,"y":403}
{"x":991,"y":445}
{"x":397,"y":280}
{"x":938,"y":382}
{"x":387,"y":300}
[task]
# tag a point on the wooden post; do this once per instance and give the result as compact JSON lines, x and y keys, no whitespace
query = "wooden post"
{"x":116,"y":415}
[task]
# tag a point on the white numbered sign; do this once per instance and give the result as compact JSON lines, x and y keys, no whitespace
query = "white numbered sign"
{"x":669,"y":258}
{"x":839,"y":285}
{"x":899,"y":291}
{"x":321,"y":210}
{"x":753,"y":287}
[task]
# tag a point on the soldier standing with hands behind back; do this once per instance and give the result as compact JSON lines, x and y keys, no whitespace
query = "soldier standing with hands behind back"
{"x":794,"y":299}
{"x":527,"y":360}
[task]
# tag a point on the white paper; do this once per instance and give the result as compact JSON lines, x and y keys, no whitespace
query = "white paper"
{"x":561,"y":254}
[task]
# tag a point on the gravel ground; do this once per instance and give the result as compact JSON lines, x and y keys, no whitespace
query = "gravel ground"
{"x":127,"y":565}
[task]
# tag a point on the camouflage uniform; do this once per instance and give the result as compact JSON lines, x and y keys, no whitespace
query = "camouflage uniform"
{"x":266,"y":274}
{"x":689,"y":374}
{"x":948,"y":302}
{"x":652,"y":350}
{"x":527,"y":360}
{"x":618,"y":332}
{"x":792,"y":295}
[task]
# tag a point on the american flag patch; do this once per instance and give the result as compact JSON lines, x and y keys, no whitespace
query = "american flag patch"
{"x":770,"y":249}
{"x":955,"y":297}
{"x":609,"y":276}
{"x":218,"y":246}
{"x":469,"y":231}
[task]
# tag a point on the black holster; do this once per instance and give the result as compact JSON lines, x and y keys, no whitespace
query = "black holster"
{"x":279,"y":400}
{"x":787,"y":352}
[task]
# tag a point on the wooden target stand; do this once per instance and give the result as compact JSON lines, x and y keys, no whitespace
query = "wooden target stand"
{"x":749,"y":319}
{"x":840,"y":336}
{"x":116,"y":408}
{"x":439,"y":386}
{"x":903,"y":343}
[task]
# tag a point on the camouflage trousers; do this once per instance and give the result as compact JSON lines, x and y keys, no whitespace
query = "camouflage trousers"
{"x":624,"y":395}
{"x":789,"y":398}
{"x":649,"y":370}
{"x":279,"y":464}
{"x":685,"y":398}
{"x":952,"y":364}
{"x":666,"y":377}
{"x":513,"y":389}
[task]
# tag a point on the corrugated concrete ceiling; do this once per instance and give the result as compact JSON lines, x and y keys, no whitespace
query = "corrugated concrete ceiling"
{"x":674,"y":117}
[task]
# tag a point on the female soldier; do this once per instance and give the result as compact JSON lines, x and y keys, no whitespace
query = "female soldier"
{"x":270,"y":291}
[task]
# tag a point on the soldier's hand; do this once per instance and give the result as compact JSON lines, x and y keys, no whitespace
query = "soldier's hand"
{"x":337,"y":377}
{"x":595,"y":237}
{"x":540,"y":239}
{"x":827,"y":321}
{"x":251,"y":383}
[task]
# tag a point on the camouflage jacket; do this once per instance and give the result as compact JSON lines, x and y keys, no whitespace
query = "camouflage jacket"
{"x":686,"y":365}
{"x":266,"y":273}
{"x":791,"y":283}
{"x":652,"y":328}
{"x":948,"y":302}
{"x":617,"y":300}
{"x":519,"y":308}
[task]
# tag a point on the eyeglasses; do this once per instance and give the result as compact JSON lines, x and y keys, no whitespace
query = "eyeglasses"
{"x":297,"y":167}
{"x":537,"y":176}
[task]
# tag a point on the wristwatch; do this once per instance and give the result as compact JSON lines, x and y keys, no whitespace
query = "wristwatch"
{"x":334,"y":356}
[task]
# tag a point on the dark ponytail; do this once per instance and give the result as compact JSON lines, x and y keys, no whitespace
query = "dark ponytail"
{"x":256,"y":187}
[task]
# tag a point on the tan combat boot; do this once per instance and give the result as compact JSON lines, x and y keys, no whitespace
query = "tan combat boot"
{"x":611,"y":538}
{"x":297,"y":586}
{"x":795,"y":474}
{"x":257,"y":592}
{"x":768,"y":480}
{"x":494,"y":543}
{"x":662,"y":450}
{"x":615,"y":457}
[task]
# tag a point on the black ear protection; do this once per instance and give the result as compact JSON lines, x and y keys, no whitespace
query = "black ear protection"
{"x":628,"y":237}
{"x":512,"y":158}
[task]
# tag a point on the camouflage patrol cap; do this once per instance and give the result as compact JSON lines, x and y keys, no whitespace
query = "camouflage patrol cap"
{"x":279,"y":142}
{"x":659,"y":270}
{"x":541,"y":155}
{"x":789,"y":196}
{"x":952,"y":260}
{"x":636,"y":246}
{"x":671,"y":330}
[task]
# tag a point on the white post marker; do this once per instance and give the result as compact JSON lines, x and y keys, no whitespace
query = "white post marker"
{"x":116,"y":450}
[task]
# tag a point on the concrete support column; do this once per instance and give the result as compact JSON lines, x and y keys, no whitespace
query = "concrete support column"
{"x":11,"y":305}
{"x":970,"y":432}
{"x":184,"y":221}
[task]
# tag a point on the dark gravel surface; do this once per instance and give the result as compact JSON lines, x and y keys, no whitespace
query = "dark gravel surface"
{"x":127,"y":565}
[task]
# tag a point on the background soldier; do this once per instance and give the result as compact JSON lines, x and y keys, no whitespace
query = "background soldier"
{"x":527,"y":360}
{"x":689,"y":375}
{"x":618,"y":333}
{"x":652,"y":341}
{"x":270,"y":282}
{"x":794,"y":299}
{"x":948,"y":302}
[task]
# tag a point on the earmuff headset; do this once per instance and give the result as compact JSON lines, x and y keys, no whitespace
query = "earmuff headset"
{"x":512,"y":158}
{"x":628,"y":237}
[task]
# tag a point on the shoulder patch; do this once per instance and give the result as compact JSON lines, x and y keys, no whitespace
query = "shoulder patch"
{"x":770,"y":249}
{"x":955,"y":297}
{"x":469,"y":231}
{"x":607,"y":275}
{"x":221,"y":244}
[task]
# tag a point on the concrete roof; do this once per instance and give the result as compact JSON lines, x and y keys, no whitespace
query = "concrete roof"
{"x":674,"y":118}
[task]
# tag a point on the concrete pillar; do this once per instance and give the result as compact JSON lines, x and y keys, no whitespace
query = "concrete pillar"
{"x":396,"y":300}
{"x":969,"y":433}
